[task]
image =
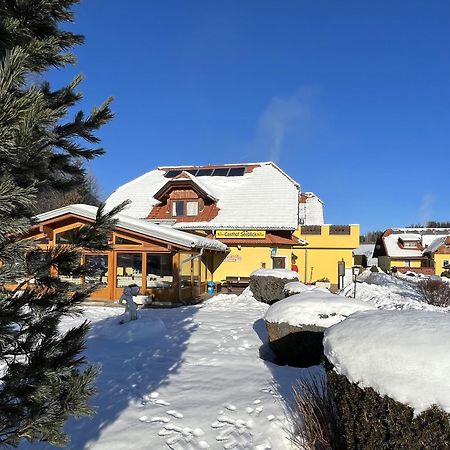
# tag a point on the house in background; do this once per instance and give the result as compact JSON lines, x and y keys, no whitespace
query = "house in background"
{"x":257,"y":210}
{"x":420,"y":250}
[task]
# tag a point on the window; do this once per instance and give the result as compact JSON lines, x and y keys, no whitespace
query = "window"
{"x":204,"y":173}
{"x":177,"y":208}
{"x":124,"y":241}
{"x":129,"y":269}
{"x":236,"y":171}
{"x":192,"y":208}
{"x":445,"y":263}
{"x":159,"y":270}
{"x":98,"y":269}
{"x":172,"y":173}
{"x":407,"y":263}
{"x":66,"y":237}
{"x":221,"y":172}
{"x":279,"y":262}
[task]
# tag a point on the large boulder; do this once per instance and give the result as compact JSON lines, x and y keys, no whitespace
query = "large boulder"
{"x":296,"y":324}
{"x":267,"y":285}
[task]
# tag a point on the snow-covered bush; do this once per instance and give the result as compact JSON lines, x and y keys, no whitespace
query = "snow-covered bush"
{"x":296,"y":324}
{"x":389,"y":375}
{"x":267,"y":284}
{"x":435,"y":292}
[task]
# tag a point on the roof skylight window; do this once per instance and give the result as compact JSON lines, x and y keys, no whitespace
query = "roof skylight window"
{"x":236,"y":171}
{"x":208,"y":172}
{"x":221,"y":172}
{"x":204,"y":172}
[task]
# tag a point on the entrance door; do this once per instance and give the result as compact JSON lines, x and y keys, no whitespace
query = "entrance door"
{"x":100,"y":265}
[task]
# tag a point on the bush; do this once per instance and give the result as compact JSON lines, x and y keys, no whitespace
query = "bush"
{"x":435,"y":292}
{"x":371,"y":422}
{"x":313,"y":416}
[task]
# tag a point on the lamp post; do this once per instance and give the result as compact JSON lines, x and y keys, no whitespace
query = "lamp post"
{"x":355,"y":273}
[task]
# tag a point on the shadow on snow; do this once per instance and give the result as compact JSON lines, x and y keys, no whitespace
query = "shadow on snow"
{"x":136,"y":359}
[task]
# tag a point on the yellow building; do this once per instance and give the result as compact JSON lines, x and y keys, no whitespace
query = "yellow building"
{"x":327,"y":245}
{"x":257,"y":210}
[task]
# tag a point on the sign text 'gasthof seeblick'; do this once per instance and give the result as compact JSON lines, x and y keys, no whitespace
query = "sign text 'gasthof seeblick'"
{"x":240,"y":234}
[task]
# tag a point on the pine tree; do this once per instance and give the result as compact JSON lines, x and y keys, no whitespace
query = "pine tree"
{"x":44,"y":377}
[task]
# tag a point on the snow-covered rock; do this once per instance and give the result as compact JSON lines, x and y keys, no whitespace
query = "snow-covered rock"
{"x":314,"y":307}
{"x":401,"y":354}
{"x":296,"y":324}
{"x":267,"y":285}
{"x":294,"y":287}
{"x":277,"y":273}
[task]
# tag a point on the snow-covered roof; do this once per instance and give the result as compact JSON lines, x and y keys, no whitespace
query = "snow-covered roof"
{"x":195,"y":180}
{"x":410,"y":237}
{"x":262,"y":198}
{"x":310,"y":210}
{"x":139,"y":226}
{"x":395,"y":251}
{"x":314,"y":307}
{"x":425,"y":236}
{"x":401,"y":354}
{"x":436,"y":243}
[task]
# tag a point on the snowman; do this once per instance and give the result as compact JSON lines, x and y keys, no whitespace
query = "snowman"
{"x":130,"y":306}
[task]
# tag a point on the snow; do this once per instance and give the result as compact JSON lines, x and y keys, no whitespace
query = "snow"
{"x":184,"y":378}
{"x":314,"y":307}
{"x":137,"y":225}
{"x":295,"y":287}
{"x":261,"y":191}
{"x":277,"y":273}
{"x":401,"y":354}
{"x":389,"y":292}
{"x":394,"y":251}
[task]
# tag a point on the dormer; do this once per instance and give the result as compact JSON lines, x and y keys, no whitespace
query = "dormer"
{"x":410,"y":240}
{"x":184,"y":199}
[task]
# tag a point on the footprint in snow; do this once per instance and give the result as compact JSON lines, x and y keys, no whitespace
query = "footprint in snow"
{"x":235,"y":433}
{"x":184,"y":438}
{"x":230,"y":407}
{"x":175,"y":414}
{"x":154,"y":419}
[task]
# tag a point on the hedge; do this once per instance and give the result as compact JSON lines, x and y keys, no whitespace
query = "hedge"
{"x":368,"y":421}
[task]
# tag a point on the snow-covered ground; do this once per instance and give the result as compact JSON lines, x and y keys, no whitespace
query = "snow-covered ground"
{"x":192,"y":378}
{"x":389,"y":292}
{"x":185,"y":378}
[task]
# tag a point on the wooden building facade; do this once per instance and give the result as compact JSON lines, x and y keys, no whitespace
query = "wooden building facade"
{"x":168,"y":265}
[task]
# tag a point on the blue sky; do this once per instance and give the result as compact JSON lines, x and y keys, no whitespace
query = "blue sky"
{"x":351,"y":98}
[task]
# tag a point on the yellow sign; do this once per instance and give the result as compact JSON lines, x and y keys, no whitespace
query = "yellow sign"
{"x":240,"y":234}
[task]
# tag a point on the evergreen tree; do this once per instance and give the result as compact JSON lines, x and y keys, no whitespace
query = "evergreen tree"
{"x":44,"y":377}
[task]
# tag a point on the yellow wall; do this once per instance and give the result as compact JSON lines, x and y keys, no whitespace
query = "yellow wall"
{"x":319,"y":259}
{"x":327,"y":240}
{"x":241,"y":263}
{"x":401,"y":263}
{"x":316,"y":263}
{"x":438,"y":262}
